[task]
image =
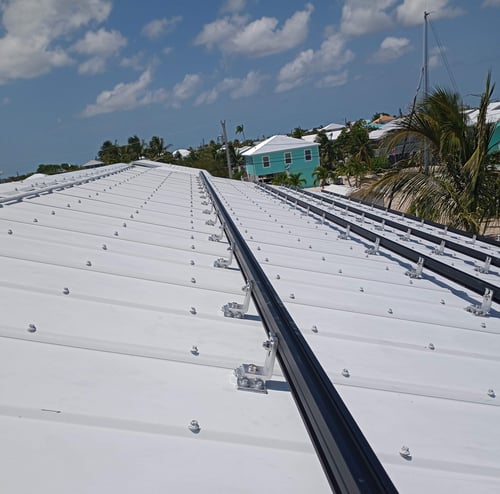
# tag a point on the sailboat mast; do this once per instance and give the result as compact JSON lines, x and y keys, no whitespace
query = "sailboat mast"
{"x":426,"y":85}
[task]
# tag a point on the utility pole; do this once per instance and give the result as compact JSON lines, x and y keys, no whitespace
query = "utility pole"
{"x":426,"y":86}
{"x":228,"y":154}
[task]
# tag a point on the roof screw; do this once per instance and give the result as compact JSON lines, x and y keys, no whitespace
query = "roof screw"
{"x":88,"y":263}
{"x":390,"y":311}
{"x":68,"y":205}
{"x":278,"y":277}
{"x":194,"y":350}
{"x":191,"y":262}
{"x":31,"y":328}
{"x":483,"y":324}
{"x":52,"y":213}
{"x":9,"y":231}
{"x":116,"y":234}
{"x":192,"y":310}
{"x":310,"y":246}
{"x":292,"y":295}
{"x":323,"y":258}
{"x":258,"y":247}
{"x":79,"y":201}
{"x":131,"y":216}
{"x":251,"y":237}
{"x":314,"y":329}
{"x":193,"y":280}
{"x":298,"y":240}
{"x":491,"y":393}
{"x":266,"y":259}
{"x":193,"y":247}
{"x":387,"y":268}
{"x":104,"y":247}
{"x":194,"y":426}
{"x":35,"y":220}
{"x":66,"y":291}
{"x":124,"y":225}
{"x":443,"y":302}
{"x":361,"y":289}
{"x":405,"y":452}
{"x":340,"y":271}
{"x":345,"y":373}
{"x":192,"y":237}
{"x":431,"y":346}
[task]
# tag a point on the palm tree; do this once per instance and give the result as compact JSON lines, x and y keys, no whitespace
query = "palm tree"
{"x":323,"y":175}
{"x":295,"y":180}
{"x":456,"y":187}
{"x":240,"y":130}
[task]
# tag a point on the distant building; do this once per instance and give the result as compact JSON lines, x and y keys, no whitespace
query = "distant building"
{"x":282,"y":154}
{"x":93,"y":164}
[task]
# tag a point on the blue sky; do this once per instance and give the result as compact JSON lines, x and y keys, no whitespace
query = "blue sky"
{"x":74,"y":73}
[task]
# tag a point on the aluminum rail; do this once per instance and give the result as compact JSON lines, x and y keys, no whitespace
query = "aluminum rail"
{"x":35,"y":192}
{"x":416,"y":232}
{"x":350,"y":464}
{"x":467,"y":280}
{"x":450,"y":229}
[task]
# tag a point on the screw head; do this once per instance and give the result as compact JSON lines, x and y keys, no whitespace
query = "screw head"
{"x":31,"y":328}
{"x":345,"y":373}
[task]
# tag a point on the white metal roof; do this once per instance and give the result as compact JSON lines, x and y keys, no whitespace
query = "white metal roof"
{"x":97,"y":395}
{"x":360,"y":313}
{"x":278,"y":143}
{"x":101,"y":394}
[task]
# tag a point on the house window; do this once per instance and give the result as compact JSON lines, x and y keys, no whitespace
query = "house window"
{"x":308,"y":155}
{"x":265,"y":162}
{"x":288,"y":158}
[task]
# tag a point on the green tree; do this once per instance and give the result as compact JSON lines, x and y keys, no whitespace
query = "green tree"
{"x":327,"y":151}
{"x":298,"y":133}
{"x":323,"y":176}
{"x":296,"y":180}
{"x":240,"y":130}
{"x":156,"y":148}
{"x":458,"y":186}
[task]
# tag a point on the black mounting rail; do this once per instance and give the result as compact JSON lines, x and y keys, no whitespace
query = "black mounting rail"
{"x":482,"y":238}
{"x":465,"y":279}
{"x":348,"y":460}
{"x":450,"y":243}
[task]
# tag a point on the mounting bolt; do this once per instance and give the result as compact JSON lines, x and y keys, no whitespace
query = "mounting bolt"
{"x":314,"y":329}
{"x":345,"y":373}
{"x":405,"y":452}
{"x":292,"y":295}
{"x":194,"y":426}
{"x":104,"y":247}
{"x":66,"y":290}
{"x":9,"y":231}
{"x":491,"y":393}
{"x":278,"y":277}
{"x":431,"y":346}
{"x":192,"y":310}
{"x":193,"y":280}
{"x":390,"y":311}
{"x":194,"y":350}
{"x":88,"y":263}
{"x":31,"y":328}
{"x":191,"y":262}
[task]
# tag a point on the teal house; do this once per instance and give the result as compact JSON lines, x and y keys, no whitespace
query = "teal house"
{"x":282,"y":154}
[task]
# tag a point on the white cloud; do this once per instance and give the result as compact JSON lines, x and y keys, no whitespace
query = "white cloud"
{"x":391,"y":49}
{"x":184,"y":89}
{"x":135,"y":62}
{"x":332,"y":55}
{"x":365,"y":16}
{"x":92,"y":66}
{"x":232,"y":6}
{"x":103,"y":43}
{"x":361,"y":17}
{"x":491,"y":3}
{"x":333,"y":80}
{"x":435,"y":56}
{"x":126,"y":96}
{"x":411,"y":12}
{"x":236,"y":35}
{"x":159,"y":27}
{"x":35,"y":30}
{"x":237,"y":88}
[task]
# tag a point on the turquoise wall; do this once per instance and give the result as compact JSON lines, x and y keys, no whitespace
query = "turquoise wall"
{"x":254,"y":164}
